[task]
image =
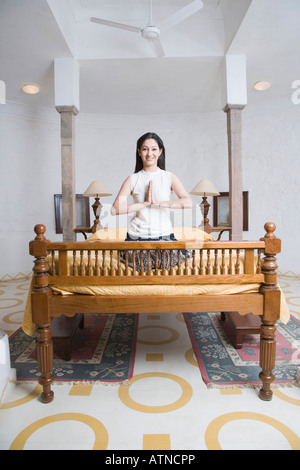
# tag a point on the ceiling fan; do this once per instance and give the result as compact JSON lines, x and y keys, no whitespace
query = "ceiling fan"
{"x":151,"y":32}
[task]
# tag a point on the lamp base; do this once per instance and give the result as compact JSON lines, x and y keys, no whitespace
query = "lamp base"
{"x":97,"y":207}
{"x":206,"y":227}
{"x":204,"y":207}
{"x":97,"y":226}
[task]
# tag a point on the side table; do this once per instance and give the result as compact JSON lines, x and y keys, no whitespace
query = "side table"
{"x":63,"y":330}
{"x":243,"y":325}
{"x":221,"y":230}
{"x":83,"y":230}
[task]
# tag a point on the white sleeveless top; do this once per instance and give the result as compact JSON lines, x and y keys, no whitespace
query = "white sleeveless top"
{"x":151,"y":222}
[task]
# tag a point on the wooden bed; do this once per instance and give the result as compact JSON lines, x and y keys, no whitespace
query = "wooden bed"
{"x":244,"y":273}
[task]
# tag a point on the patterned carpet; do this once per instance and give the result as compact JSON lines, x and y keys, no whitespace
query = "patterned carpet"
{"x":222,"y":365}
{"x":104,"y":350}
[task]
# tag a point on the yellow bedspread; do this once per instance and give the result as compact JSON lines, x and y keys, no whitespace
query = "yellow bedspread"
{"x":208,"y":289}
{"x":158,"y":289}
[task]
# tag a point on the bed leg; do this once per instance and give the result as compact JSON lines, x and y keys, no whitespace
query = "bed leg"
{"x":267,"y":359}
{"x":40,"y":311}
{"x":45,"y":362}
{"x":271,"y":312}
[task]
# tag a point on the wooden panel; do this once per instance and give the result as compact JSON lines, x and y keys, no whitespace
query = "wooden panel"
{"x":63,"y":263}
{"x":249,"y":267}
{"x":68,"y":305}
{"x":155,"y":279}
{"x":186,"y":245}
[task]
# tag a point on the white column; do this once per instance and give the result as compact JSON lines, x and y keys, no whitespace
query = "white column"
{"x":67,"y":104}
{"x":234,"y":100}
{"x":8,"y":375}
{"x":2,"y":92}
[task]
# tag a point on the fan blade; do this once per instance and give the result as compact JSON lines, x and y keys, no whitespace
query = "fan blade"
{"x":181,"y":15}
{"x":116,"y":25}
{"x":156,"y":47}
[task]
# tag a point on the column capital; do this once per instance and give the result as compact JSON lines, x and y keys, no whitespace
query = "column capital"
{"x":228,"y":107}
{"x":67,"y":109}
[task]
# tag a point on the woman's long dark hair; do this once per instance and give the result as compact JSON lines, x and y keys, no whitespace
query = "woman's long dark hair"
{"x":161,"y":162}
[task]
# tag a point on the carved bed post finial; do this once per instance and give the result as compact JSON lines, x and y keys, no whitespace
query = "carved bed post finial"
{"x":271,"y":311}
{"x":40,"y":311}
{"x":40,"y":229}
{"x":270,"y":228}
{"x":269,"y":266}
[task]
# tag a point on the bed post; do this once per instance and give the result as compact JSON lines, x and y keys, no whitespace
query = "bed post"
{"x":271,"y":311}
{"x":40,"y":311}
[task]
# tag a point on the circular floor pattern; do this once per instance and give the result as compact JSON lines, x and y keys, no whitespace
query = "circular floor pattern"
{"x":16,"y":302}
{"x":185,"y":397}
{"x":173,"y":337}
{"x":190,"y":357}
{"x":21,"y":401}
{"x":101,"y":434}
{"x":7,"y":318}
{"x":212,"y":431}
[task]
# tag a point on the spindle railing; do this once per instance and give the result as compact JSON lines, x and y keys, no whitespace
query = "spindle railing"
{"x":144,"y":262}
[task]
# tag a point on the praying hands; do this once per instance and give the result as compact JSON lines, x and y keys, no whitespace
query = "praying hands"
{"x":150,"y":196}
{"x":151,"y":199}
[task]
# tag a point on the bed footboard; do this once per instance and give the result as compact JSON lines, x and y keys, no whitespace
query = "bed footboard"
{"x":203,"y":263}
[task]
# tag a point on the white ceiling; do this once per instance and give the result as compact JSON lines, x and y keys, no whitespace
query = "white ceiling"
{"x":119,"y":73}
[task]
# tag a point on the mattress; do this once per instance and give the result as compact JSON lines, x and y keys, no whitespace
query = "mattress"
{"x":207,"y":289}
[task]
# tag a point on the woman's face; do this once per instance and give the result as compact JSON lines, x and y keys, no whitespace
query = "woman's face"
{"x":150,"y":153}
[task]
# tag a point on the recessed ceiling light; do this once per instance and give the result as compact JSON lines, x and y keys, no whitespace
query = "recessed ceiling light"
{"x":31,"y":89}
{"x":262,"y":85}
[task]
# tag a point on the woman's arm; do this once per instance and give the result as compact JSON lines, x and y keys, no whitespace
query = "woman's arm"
{"x":183,"y":202}
{"x":120,"y":205}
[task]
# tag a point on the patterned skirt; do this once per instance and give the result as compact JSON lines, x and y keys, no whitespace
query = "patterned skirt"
{"x":158,"y":258}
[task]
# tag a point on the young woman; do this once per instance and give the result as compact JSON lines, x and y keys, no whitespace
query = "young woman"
{"x":151,"y":187}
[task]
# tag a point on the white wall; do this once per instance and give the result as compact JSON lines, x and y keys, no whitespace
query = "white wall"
{"x":105,"y":149}
{"x":271,"y":166}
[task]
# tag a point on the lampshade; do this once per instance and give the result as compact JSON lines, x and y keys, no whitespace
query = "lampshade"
{"x":97,"y":189}
{"x":205,"y":188}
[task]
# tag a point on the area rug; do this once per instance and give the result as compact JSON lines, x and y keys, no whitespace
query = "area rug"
{"x":103,"y":351}
{"x":222,"y":365}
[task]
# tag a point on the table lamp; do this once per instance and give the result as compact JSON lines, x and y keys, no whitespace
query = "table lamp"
{"x":205,"y":188}
{"x":97,"y":189}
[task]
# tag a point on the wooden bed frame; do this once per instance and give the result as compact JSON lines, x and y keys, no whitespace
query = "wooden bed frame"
{"x":46,"y":273}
